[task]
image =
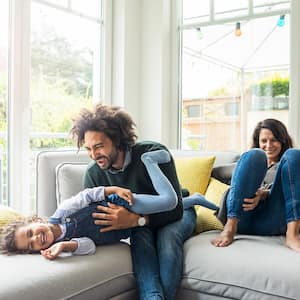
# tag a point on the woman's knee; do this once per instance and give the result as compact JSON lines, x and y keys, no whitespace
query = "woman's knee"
{"x":292,"y":156}
{"x":255,"y":155}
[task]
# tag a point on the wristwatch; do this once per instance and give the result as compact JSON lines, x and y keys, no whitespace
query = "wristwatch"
{"x":141,"y":221}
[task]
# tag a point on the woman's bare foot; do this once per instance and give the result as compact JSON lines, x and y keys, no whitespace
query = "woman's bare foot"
{"x":227,"y":235}
{"x":292,"y":235}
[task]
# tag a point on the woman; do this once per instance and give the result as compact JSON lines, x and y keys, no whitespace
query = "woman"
{"x":264,"y":198}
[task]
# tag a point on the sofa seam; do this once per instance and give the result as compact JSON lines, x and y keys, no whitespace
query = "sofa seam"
{"x":98,"y":284}
{"x":233,"y":285}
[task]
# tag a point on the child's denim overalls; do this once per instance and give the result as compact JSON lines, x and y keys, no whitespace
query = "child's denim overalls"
{"x":81,"y":224}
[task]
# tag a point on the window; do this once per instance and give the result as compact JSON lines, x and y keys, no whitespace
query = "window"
{"x":235,"y":62}
{"x":57,"y":50}
{"x":4,"y":10}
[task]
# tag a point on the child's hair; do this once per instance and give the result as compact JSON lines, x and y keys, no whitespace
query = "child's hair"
{"x":8,"y":242}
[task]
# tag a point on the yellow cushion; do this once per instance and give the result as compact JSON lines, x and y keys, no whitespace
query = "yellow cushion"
{"x":8,"y":215}
{"x":194,"y":172}
{"x":206,"y":220}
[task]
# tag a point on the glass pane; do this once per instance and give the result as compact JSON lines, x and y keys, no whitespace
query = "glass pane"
{"x":4,"y":15}
{"x":230,"y":8}
{"x":93,"y":8}
{"x":266,"y":6}
{"x":195,"y":11}
{"x":65,"y":55}
{"x":62,"y":3}
{"x":62,"y":56}
{"x":234,"y":80}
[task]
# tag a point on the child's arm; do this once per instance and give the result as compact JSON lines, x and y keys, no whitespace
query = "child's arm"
{"x":89,"y":195}
{"x":78,"y":246}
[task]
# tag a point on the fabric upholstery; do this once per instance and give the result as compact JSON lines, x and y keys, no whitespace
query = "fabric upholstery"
{"x":194,"y":173}
{"x":206,"y":220}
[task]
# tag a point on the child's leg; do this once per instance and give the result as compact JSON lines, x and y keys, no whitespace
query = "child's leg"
{"x":167,"y":197}
{"x":198,"y":199}
{"x":148,"y":204}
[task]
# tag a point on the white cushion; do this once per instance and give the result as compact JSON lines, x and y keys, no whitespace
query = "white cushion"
{"x":69,"y":180}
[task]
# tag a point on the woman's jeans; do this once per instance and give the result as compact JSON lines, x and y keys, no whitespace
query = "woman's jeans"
{"x":283,"y":203}
{"x":158,"y":256}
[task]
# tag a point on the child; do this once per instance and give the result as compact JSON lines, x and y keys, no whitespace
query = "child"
{"x":71,"y":228}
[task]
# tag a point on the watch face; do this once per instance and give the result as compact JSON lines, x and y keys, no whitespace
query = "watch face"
{"x":141,"y":221}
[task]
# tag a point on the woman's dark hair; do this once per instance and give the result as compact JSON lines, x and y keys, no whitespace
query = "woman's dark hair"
{"x":279,"y":131}
{"x":113,"y":121}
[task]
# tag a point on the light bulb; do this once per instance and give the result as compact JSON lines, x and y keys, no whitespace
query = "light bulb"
{"x":280,"y":21}
{"x":199,"y":33}
{"x":238,"y":31}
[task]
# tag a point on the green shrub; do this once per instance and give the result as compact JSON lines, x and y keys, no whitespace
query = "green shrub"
{"x":271,"y":87}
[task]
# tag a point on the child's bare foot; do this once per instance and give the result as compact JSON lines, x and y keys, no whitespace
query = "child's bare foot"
{"x":292,"y":235}
{"x":227,"y":235}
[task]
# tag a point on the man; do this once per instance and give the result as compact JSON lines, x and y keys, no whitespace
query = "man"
{"x":108,"y":134}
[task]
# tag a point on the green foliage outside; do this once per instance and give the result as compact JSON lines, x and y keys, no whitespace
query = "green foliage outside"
{"x":61,"y":84}
{"x":276,"y":86}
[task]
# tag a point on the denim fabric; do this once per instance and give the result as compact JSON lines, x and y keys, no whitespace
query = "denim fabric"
{"x":283,"y":203}
{"x":81,"y":224}
{"x":163,"y":257}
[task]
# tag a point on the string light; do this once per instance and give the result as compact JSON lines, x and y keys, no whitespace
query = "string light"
{"x":280,"y":21}
{"x":238,"y":31}
{"x":199,"y":33}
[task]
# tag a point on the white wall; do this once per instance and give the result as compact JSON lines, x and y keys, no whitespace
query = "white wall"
{"x":142,"y":68}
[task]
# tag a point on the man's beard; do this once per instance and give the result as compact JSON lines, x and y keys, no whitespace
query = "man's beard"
{"x":111,"y":159}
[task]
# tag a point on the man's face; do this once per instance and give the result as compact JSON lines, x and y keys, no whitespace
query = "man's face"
{"x":101,"y":149}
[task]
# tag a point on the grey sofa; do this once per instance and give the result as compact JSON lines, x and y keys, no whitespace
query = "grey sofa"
{"x":253,"y":267}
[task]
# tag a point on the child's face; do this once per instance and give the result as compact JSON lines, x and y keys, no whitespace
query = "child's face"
{"x":34,"y":237}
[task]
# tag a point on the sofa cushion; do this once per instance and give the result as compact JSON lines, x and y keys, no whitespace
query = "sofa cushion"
{"x":194,"y":172}
{"x":8,"y":215}
{"x":105,"y":275}
{"x":69,"y":180}
{"x":253,"y":267}
{"x":206,"y":220}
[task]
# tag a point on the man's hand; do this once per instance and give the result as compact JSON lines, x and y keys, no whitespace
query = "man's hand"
{"x":115,"y":217}
{"x":251,"y":203}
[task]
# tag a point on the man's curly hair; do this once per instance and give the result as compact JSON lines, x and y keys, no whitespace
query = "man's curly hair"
{"x":113,"y":121}
{"x":7,"y":234}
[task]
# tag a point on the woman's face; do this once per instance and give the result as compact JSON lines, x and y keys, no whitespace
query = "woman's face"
{"x":270,"y":145}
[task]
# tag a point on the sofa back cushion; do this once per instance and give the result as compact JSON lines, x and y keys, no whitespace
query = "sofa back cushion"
{"x":69,"y":180}
{"x":194,"y":172}
{"x":56,"y":183}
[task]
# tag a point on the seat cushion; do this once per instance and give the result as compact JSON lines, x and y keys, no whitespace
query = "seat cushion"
{"x":105,"y":275}
{"x":253,"y":267}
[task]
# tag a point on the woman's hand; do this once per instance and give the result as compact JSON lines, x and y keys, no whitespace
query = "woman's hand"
{"x":251,"y":203}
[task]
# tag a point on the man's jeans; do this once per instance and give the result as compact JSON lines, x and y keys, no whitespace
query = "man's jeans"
{"x":158,"y":257}
{"x":283,"y":203}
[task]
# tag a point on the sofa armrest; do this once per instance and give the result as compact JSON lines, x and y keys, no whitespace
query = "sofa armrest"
{"x":46,"y":163}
